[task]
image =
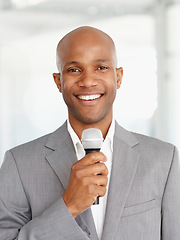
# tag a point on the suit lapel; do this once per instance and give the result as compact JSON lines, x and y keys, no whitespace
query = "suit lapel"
{"x":125,"y":162}
{"x":61,"y":160}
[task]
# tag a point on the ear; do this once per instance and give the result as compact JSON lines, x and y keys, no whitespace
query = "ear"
{"x":119,"y":73}
{"x":57,"y":80}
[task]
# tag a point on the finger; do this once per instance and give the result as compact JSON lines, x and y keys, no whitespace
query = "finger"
{"x":95,"y":169}
{"x":90,"y":170}
{"x":92,"y":158}
{"x":99,"y":191}
{"x":98,"y":180}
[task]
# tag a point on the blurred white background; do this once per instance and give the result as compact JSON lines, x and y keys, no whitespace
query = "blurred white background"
{"x":147,"y":37}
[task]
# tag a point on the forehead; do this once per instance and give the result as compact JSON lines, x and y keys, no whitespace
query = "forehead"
{"x":86,"y":44}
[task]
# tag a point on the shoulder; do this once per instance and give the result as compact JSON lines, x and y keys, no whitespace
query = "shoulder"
{"x":42,"y":144}
{"x":146,"y":145}
{"x":152,"y":141}
{"x":156,"y":154}
{"x":153,"y":145}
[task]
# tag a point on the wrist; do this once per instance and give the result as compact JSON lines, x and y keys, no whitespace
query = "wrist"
{"x":72,"y":209}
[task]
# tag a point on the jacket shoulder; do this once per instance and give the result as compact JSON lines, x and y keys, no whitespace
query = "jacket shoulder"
{"x":41,"y":144}
{"x":153,"y":145}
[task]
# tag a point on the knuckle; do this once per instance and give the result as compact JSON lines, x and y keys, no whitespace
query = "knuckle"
{"x":106,"y":180}
{"x":93,"y":157}
{"x":78,"y":174}
{"x":104,"y":168}
{"x":102,"y":156}
{"x":90,"y":189}
{"x":103,"y":191}
{"x":73,"y":167}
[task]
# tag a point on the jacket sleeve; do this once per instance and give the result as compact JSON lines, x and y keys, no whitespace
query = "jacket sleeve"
{"x":171,"y":202}
{"x":56,"y":222}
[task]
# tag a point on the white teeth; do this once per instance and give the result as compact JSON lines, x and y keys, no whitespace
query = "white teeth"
{"x":89,"y":97}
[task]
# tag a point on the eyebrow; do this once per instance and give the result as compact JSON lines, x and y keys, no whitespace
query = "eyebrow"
{"x":96,"y":61}
{"x":72,"y":62}
{"x":101,"y":60}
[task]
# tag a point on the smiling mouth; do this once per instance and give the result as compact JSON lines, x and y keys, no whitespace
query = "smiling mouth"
{"x":89,"y":97}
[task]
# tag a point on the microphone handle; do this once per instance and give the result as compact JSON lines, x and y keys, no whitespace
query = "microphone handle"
{"x":89,"y":151}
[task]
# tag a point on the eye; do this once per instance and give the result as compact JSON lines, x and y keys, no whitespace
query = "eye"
{"x":73,"y":70}
{"x":102,"y":68}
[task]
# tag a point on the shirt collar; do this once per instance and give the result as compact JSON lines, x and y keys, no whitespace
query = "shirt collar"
{"x":77,"y":143}
{"x":110,"y":134}
{"x":72,"y":133}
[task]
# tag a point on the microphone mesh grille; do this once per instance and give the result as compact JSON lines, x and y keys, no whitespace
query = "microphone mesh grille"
{"x":92,"y":138}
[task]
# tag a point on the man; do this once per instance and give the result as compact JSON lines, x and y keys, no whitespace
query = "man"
{"x":45,"y":193}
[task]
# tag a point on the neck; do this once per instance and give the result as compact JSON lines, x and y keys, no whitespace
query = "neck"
{"x":79,"y":127}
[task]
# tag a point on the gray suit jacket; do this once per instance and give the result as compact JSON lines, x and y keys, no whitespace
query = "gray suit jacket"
{"x":143,"y":199}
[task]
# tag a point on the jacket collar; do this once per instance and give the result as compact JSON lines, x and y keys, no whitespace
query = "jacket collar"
{"x":57,"y":137}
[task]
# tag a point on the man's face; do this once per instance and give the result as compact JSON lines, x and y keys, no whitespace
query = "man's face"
{"x":88,"y":78}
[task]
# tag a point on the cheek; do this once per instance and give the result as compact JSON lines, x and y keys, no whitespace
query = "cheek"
{"x":65,"y":86}
{"x":112,"y":92}
{"x":67,"y":92}
{"x":68,"y":83}
{"x":112,"y":86}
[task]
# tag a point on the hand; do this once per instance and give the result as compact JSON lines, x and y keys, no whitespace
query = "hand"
{"x":88,"y":180}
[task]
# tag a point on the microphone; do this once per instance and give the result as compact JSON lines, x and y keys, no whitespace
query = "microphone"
{"x":92,"y":140}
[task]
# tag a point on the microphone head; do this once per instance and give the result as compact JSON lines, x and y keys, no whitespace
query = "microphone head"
{"x":92,"y":138}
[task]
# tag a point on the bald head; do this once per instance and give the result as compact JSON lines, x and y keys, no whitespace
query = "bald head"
{"x":87,"y":36}
{"x":88,"y":77}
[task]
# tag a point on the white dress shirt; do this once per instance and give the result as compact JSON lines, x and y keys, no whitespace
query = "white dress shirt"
{"x":98,"y":211}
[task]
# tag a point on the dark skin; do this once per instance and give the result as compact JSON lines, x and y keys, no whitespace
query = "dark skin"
{"x":88,"y":79}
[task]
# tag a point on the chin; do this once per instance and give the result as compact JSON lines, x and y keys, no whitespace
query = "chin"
{"x":91,"y":119}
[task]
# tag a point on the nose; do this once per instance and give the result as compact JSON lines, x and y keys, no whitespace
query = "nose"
{"x":88,"y":79}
